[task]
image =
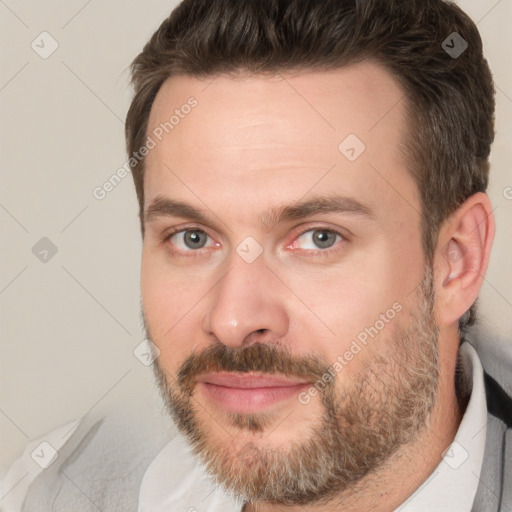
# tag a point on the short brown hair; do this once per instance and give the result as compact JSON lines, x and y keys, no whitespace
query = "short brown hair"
{"x":450,"y":98}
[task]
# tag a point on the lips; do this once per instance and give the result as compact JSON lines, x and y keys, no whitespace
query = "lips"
{"x":248,"y":393}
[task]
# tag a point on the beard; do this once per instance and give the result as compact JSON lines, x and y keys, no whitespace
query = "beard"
{"x":385,"y":406}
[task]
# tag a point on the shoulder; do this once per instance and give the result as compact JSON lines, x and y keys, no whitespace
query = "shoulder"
{"x":39,"y":454}
{"x":495,"y":489}
{"x":499,"y":403}
{"x":100,"y":464}
{"x":496,"y":357}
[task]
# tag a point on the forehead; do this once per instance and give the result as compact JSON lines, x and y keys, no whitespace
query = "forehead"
{"x":281,"y":136}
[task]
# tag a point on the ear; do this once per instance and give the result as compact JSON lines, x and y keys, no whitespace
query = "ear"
{"x":462,"y":256}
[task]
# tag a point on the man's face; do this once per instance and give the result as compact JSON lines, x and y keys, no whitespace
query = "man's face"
{"x":280,"y":252}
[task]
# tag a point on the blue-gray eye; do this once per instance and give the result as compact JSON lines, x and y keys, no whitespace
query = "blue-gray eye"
{"x":190,"y":239}
{"x":318,"y":239}
{"x":195,"y":239}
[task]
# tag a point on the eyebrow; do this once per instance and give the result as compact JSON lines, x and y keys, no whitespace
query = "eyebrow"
{"x":316,"y":205}
{"x":167,"y":207}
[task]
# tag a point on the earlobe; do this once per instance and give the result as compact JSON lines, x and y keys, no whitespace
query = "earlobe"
{"x":462,"y":257}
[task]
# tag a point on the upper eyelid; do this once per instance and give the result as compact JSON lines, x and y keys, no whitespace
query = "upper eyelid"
{"x":344,"y":233}
{"x":180,"y":229}
{"x":320,"y":228}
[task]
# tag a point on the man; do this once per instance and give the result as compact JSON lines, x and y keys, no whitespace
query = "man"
{"x":311,"y":178}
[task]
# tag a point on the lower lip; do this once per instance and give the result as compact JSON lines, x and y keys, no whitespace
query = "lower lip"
{"x":249,"y":400}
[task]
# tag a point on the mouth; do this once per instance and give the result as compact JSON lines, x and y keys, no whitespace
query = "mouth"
{"x":248,"y":393}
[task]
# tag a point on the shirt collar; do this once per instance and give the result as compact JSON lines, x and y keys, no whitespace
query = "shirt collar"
{"x":176,"y":481}
{"x":453,"y":484}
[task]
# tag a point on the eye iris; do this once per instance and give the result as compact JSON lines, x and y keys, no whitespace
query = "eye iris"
{"x":324,"y":239}
{"x":195,"y":239}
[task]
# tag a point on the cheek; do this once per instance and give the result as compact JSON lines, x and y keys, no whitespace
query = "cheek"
{"x":170,"y":310}
{"x":156,"y":297}
{"x":357,"y":310}
{"x":167,"y":291}
{"x":348,"y":308}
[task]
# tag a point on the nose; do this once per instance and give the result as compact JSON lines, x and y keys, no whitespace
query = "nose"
{"x":246,"y":306}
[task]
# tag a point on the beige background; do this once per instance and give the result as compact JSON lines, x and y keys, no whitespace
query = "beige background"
{"x":69,"y":326}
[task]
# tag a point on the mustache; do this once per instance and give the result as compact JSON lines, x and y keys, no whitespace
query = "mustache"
{"x":258,"y":357}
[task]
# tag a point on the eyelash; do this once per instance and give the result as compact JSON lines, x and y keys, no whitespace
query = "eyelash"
{"x":190,"y":254}
{"x":319,"y":253}
{"x":315,"y":253}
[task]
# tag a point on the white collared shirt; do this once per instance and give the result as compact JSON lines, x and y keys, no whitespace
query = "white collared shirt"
{"x":175,"y":481}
